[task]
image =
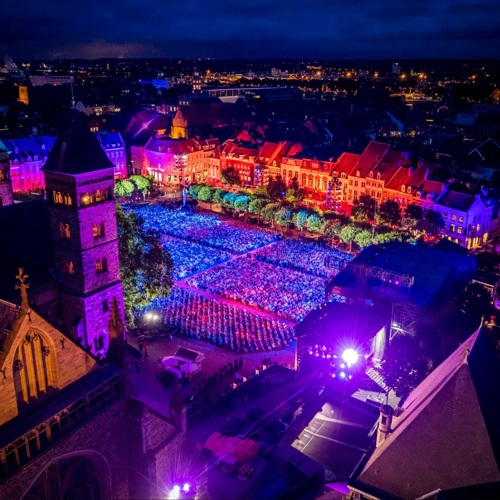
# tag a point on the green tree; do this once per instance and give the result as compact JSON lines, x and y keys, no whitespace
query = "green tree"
{"x":390,"y":213}
{"x":142,"y":184}
{"x":316,"y":224}
{"x":261,"y":191}
{"x":228,"y":200}
{"x":347,"y":235}
{"x":363,"y":238}
{"x":269,"y":212}
{"x":255,"y":206}
{"x":300,"y":219}
{"x":124,"y":189}
{"x":276,"y":188}
{"x":414,"y":212}
{"x":145,"y":266}
{"x":364,"y":208}
{"x":205,"y":193}
{"x":230,"y":176}
{"x":284,"y":217}
{"x":218,"y":195}
{"x":241,"y":203}
{"x":294,"y":195}
{"x":194,"y":190}
{"x":432,"y":224}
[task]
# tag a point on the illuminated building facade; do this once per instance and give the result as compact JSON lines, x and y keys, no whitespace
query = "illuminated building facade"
{"x":178,"y":162}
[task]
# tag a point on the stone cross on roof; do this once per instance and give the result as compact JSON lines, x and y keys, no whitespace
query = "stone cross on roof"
{"x":23,"y":286}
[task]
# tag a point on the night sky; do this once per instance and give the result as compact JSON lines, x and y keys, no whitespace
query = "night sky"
{"x":251,"y":28}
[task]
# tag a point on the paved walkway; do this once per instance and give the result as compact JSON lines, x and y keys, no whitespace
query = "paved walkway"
{"x":146,"y":387}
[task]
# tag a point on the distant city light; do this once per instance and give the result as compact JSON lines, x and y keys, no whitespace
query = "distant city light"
{"x":186,"y":487}
{"x":350,"y":356}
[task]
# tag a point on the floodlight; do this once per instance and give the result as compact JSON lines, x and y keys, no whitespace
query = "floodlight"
{"x":350,"y":356}
{"x":175,"y":494}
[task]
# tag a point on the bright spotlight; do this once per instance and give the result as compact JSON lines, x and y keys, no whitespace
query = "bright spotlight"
{"x":350,"y":356}
{"x":342,"y":374}
{"x":186,"y":487}
{"x":175,"y":494}
{"x":148,"y":315}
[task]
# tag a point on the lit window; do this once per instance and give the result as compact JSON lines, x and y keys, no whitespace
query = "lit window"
{"x":453,"y":217}
{"x":459,"y":229}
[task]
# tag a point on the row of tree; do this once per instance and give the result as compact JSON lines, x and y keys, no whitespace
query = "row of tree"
{"x":134,"y":184}
{"x":284,"y":213}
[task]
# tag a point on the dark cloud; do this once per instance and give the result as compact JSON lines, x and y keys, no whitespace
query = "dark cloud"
{"x":232,"y":28}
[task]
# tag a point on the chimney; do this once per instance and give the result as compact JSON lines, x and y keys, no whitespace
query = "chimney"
{"x":384,"y":425}
{"x":426,"y":174}
{"x":410,"y":171}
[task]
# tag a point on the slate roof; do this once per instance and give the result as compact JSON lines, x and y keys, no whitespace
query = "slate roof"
{"x":447,"y":435}
{"x":370,"y":157}
{"x":346,"y":163}
{"x":76,"y":150}
{"x":457,"y":201}
{"x":22,"y":149}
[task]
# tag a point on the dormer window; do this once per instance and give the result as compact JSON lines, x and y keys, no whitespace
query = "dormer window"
{"x":370,"y":175}
{"x":343,"y":175}
{"x":358,"y":173}
{"x":403,"y":188}
{"x":379,"y":176}
{"x":408,"y":190}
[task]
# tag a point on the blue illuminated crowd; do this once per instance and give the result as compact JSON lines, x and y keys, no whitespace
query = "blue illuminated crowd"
{"x":276,"y":289}
{"x":221,"y":324}
{"x":257,"y":268}
{"x":208,"y":230}
{"x":190,"y":258}
{"x":312,"y":258}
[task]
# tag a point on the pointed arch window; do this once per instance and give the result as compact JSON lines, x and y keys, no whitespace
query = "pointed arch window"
{"x":98,"y":229}
{"x":69,"y":268}
{"x":98,"y":268}
{"x":35,"y":368}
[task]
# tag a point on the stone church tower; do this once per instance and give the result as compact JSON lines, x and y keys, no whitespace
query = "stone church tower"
{"x":5,"y":182}
{"x":79,"y":183}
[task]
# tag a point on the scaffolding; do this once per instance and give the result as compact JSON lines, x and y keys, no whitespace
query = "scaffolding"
{"x":405,"y":319}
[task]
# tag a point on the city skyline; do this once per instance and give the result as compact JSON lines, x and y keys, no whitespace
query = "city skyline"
{"x":222,"y":29}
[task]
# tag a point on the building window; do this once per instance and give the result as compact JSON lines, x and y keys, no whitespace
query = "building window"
{"x":105,"y":306}
{"x":98,"y":268}
{"x":445,"y":215}
{"x":98,"y":229}
{"x":460,"y":219}
{"x":64,"y":231}
{"x":68,"y":267}
{"x":99,"y":343}
{"x":453,"y":217}
{"x":459,"y":229}
{"x":452,"y":228}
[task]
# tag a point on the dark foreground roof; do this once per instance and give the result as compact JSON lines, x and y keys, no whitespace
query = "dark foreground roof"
{"x":447,"y":435}
{"x":76,"y":150}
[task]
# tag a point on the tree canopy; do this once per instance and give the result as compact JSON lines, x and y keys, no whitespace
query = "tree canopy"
{"x":145,"y":266}
{"x":230,"y":175}
{"x":124,"y":188}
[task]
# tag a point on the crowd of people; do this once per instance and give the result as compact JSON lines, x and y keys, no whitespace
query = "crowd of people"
{"x":280,"y":290}
{"x":309,"y":257}
{"x":190,"y":258}
{"x":222,"y":324}
{"x":208,"y":230}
